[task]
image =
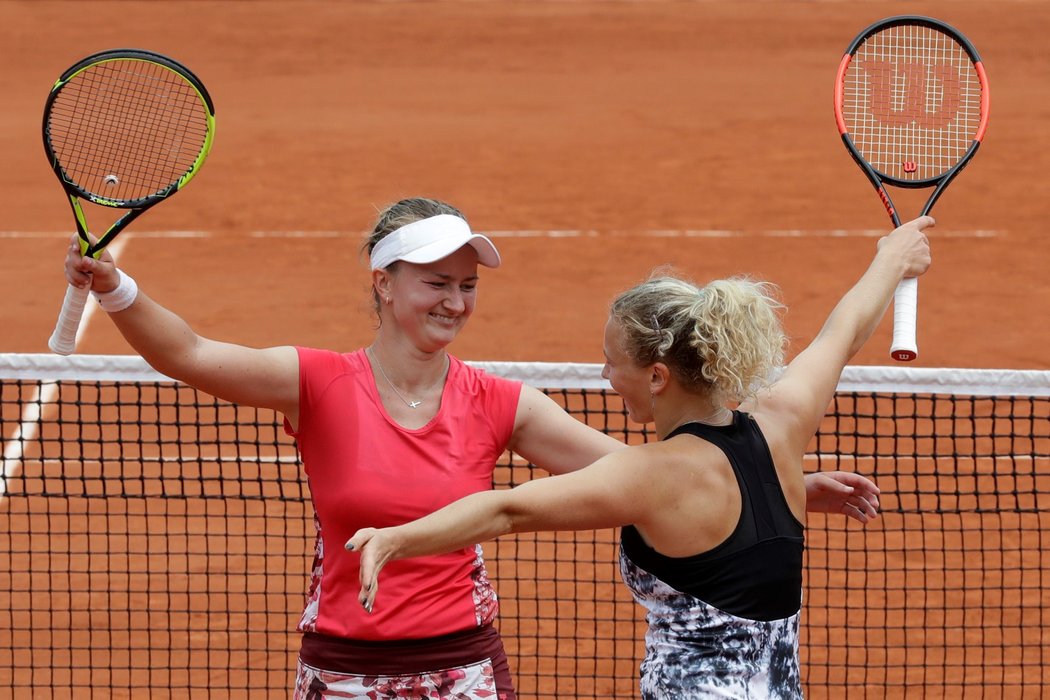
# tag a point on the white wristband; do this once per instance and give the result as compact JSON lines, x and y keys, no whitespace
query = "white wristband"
{"x":120,"y":298}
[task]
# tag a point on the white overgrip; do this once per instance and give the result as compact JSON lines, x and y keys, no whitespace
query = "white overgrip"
{"x":64,"y":340}
{"x":905,"y":312}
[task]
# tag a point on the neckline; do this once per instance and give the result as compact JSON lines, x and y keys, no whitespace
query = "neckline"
{"x":373,"y":388}
{"x":711,"y":426}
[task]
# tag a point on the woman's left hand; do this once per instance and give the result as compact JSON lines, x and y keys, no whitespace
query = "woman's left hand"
{"x":842,"y":492}
{"x":376,"y":547}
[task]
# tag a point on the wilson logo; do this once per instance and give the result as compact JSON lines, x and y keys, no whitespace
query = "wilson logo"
{"x":886,"y":200}
{"x":912,"y":93}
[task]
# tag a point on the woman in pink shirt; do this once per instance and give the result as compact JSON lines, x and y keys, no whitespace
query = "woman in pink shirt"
{"x":387,"y":434}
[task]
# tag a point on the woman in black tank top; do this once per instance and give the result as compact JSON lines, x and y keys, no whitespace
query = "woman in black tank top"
{"x":713,"y":513}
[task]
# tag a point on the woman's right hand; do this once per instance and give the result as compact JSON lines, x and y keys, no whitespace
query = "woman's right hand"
{"x":909,"y":243}
{"x":86,"y":272}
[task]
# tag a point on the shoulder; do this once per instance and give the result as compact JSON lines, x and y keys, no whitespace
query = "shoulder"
{"x":687,"y":460}
{"x":473,"y":381}
{"x":318,"y":360}
{"x":321,"y":369}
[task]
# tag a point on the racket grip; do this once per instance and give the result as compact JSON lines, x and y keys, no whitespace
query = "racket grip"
{"x":905,"y":310}
{"x":64,"y":340}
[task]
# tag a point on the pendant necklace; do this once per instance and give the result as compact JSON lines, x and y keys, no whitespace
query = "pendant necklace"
{"x":410,"y":404}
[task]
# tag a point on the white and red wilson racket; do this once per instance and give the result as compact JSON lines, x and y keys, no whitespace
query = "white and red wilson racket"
{"x":911,"y":104}
{"x":123,"y":129}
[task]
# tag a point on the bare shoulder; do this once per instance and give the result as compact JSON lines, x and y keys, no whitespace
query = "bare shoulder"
{"x":696,"y":498}
{"x":686,"y":462}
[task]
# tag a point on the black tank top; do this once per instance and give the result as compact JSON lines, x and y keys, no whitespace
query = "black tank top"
{"x":756,"y":573}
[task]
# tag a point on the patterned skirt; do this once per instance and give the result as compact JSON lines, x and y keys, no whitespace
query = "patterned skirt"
{"x":471,"y":664}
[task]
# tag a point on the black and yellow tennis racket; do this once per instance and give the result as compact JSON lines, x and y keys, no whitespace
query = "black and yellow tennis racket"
{"x":911,"y":105}
{"x":123,"y":129}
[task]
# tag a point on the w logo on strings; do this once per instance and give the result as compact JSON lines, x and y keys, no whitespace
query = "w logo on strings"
{"x":912,"y":94}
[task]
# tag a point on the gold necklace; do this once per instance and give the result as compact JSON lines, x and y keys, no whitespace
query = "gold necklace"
{"x":411,"y":404}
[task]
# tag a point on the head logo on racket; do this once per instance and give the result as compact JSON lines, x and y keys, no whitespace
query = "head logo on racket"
{"x":911,"y":105}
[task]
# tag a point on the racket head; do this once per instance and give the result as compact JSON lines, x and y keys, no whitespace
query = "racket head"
{"x":911,"y":100}
{"x":127,"y":127}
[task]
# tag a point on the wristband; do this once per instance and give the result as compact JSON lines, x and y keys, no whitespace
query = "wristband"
{"x":120,"y":298}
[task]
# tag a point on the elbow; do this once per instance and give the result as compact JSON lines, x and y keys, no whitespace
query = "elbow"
{"x":507,"y":523}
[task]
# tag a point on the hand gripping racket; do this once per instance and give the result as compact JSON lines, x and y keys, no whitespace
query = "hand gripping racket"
{"x":123,"y":129}
{"x":911,"y":104}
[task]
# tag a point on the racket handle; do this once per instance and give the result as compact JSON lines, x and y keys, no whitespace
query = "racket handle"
{"x":64,"y":340}
{"x":905,"y":309}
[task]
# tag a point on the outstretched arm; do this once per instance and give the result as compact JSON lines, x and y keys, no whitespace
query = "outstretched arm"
{"x":616,"y":490}
{"x":266,"y":378}
{"x":800,"y":397}
{"x":550,"y":438}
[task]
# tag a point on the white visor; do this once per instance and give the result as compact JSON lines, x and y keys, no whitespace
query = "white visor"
{"x":430,"y":240}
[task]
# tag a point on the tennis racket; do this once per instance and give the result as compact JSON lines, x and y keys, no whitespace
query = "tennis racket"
{"x":911,"y":104}
{"x":123,"y":129}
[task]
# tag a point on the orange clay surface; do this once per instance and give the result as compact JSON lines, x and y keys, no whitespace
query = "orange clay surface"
{"x":710,"y":122}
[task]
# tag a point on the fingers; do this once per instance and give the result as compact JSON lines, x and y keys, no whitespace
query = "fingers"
{"x":369,"y":587}
{"x":368,"y":575}
{"x":78,"y":268}
{"x":923,"y":222}
{"x":360,"y":539}
{"x":861,"y":509}
{"x":860,"y":483}
{"x":862,"y":513}
{"x":87,"y":272}
{"x":909,"y":244}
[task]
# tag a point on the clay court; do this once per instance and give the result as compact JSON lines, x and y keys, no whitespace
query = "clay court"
{"x":594,"y":141}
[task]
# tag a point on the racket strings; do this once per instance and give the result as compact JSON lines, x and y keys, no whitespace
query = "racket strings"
{"x":127,"y":129}
{"x":912,"y":102}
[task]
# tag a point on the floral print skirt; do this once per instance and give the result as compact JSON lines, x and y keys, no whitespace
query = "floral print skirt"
{"x":466,"y":666}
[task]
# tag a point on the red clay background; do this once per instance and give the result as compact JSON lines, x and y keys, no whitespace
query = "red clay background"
{"x":616,"y":118}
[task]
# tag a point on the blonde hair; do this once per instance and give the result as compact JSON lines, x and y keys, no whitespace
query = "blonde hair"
{"x":725,"y":337}
{"x":403,"y":213}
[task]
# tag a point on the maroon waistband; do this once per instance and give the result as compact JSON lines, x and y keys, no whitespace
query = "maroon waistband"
{"x":399,"y":657}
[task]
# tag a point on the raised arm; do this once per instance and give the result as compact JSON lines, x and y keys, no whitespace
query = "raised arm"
{"x":266,"y":378}
{"x":800,"y":397}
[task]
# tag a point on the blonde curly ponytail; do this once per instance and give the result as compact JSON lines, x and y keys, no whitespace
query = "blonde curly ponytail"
{"x":725,"y":337}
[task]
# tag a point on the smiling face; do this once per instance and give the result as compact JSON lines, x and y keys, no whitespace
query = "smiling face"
{"x":628,"y":380}
{"x":429,"y":303}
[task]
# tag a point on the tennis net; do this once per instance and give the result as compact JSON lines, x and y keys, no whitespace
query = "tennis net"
{"x":156,"y":541}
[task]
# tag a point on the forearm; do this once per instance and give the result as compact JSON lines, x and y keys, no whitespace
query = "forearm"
{"x":161,"y":337}
{"x":859,"y":312}
{"x":903,"y":253}
{"x":476,"y":518}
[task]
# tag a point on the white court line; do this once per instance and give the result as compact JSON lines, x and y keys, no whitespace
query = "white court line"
{"x":29,"y":426}
{"x":580,"y":233}
{"x":26,"y":431}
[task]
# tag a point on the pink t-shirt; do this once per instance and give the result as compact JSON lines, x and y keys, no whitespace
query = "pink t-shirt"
{"x":365,"y":470}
